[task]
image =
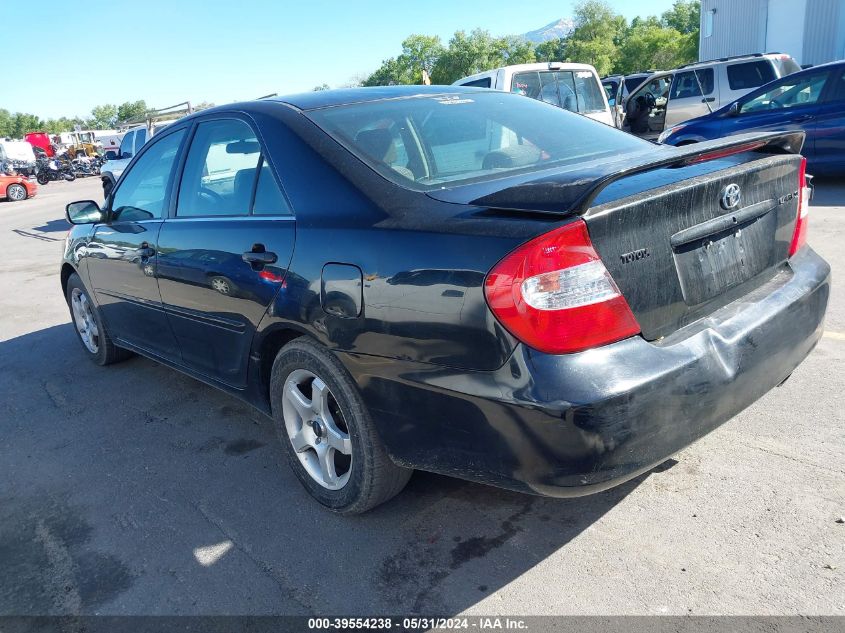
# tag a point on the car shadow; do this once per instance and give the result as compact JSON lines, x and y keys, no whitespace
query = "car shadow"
{"x":129,"y":483}
{"x":53,"y":226}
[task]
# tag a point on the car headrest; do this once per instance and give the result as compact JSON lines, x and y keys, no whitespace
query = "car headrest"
{"x":374,"y":143}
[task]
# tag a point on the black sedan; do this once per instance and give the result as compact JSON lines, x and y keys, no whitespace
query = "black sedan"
{"x":455,"y":280}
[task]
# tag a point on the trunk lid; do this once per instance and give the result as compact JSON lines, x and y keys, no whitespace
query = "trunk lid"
{"x":682,"y":231}
{"x":682,"y":251}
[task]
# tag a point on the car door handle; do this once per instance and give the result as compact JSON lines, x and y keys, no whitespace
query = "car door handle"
{"x":259,"y":257}
{"x":145,"y":252}
{"x":708,"y":99}
{"x":802,"y":117}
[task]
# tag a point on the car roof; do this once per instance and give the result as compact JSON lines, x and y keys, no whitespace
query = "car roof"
{"x":345,"y":96}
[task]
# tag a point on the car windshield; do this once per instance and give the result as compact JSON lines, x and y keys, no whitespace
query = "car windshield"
{"x":427,"y":142}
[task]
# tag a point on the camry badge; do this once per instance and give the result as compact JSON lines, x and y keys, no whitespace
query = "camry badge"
{"x":731,"y":195}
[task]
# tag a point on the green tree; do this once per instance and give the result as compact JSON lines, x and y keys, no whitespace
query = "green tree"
{"x":650,"y":46}
{"x":390,"y":72}
{"x":103,"y":117}
{"x":5,"y":123}
{"x":477,"y":52}
{"x":597,"y":35}
{"x":131,"y":110}
{"x":419,"y":53}
{"x":23,"y":123}
{"x":551,"y":50}
{"x":321,"y":87}
{"x":684,"y":16}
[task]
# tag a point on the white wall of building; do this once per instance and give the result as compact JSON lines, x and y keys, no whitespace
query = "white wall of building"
{"x":785,"y":27}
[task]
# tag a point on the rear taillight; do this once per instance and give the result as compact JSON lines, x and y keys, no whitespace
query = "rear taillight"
{"x":555,"y":295}
{"x":799,"y":237}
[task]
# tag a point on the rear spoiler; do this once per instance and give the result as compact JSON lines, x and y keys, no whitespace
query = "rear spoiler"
{"x":568,"y":192}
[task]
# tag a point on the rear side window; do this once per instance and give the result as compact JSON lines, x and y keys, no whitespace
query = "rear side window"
{"x":479,"y":83}
{"x":749,"y":75}
{"x":268,"y":197}
{"x":692,"y":83}
{"x":574,"y":91}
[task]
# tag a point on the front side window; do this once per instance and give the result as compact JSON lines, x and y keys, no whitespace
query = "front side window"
{"x":143,"y":189}
{"x":837,"y":90}
{"x":748,"y":75}
{"x":469,"y":137}
{"x":220,"y":170}
{"x":140,"y":139}
{"x":692,"y":83}
{"x":790,"y":92}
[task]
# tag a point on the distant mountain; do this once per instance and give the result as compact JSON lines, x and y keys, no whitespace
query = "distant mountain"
{"x":552,"y":31}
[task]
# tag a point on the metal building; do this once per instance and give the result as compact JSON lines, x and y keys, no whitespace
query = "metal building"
{"x":812,"y":31}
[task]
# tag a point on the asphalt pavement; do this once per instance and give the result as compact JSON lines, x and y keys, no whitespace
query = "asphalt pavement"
{"x":133,"y":489}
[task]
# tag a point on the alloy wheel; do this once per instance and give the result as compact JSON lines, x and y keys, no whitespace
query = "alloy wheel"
{"x":16,"y":192}
{"x":83,"y":318}
{"x":317,"y":429}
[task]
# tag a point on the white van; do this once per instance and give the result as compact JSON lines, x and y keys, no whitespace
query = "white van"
{"x":574,"y":87}
{"x":18,"y":155}
{"x":668,"y":98}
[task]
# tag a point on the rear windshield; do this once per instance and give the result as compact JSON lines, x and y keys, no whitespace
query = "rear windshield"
{"x":428,"y":142}
{"x":576,"y":91}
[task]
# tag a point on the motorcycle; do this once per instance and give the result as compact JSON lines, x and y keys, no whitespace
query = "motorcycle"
{"x":50,"y":169}
{"x":83,"y":167}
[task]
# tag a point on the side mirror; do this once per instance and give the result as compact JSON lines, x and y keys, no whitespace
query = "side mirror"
{"x":84,"y":212}
{"x":734,"y":109}
{"x":111,"y":155}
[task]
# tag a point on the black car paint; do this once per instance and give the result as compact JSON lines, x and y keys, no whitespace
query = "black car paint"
{"x":449,"y":388}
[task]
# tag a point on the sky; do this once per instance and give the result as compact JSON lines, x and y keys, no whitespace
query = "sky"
{"x":167,"y":52}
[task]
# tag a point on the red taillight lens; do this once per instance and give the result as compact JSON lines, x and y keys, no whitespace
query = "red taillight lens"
{"x":555,"y":295}
{"x":799,"y":237}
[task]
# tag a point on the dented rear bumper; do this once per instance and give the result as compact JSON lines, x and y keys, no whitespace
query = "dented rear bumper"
{"x":574,"y":424}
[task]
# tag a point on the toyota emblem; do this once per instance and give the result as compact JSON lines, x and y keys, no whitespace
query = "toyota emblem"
{"x":731,"y":195}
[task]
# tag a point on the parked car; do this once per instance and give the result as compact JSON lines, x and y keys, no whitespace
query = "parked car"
{"x":116,"y":161}
{"x":573,"y":87}
{"x":16,"y":188}
{"x":617,"y":88}
{"x":668,"y":98}
{"x":17,"y":155}
{"x":812,"y":101}
{"x":457,"y":280}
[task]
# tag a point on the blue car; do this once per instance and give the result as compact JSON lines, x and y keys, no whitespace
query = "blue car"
{"x":812,"y":100}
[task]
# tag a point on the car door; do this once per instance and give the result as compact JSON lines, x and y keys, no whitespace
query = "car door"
{"x":789,"y":103}
{"x":692,"y":94}
{"x":829,"y":154}
{"x":645,"y":109}
{"x":121,"y":254}
{"x":224,"y":250}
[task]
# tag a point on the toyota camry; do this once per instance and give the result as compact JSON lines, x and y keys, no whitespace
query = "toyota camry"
{"x":455,"y":280}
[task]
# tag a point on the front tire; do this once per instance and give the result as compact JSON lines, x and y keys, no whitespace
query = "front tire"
{"x":89,"y":326}
{"x":16,"y":192}
{"x":327,"y":432}
{"x":42,"y":178}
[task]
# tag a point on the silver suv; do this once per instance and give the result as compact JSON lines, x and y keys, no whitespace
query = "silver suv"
{"x":667,"y":98}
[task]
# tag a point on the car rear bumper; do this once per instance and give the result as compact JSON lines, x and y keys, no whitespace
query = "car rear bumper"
{"x":570,"y":425}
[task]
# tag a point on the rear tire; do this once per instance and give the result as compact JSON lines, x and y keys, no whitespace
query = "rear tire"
{"x":347,"y":483}
{"x":16,"y":192}
{"x":89,"y":326}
